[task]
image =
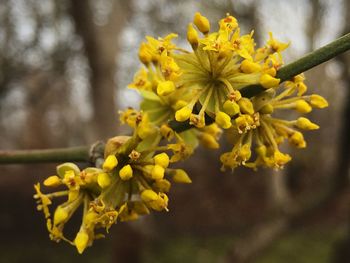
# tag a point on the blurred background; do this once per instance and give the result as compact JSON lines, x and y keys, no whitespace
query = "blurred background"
{"x":64,"y":68}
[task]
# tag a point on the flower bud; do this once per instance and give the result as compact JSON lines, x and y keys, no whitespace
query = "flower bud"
{"x":110,"y":163}
{"x":60,"y":215}
{"x":297,"y":139}
{"x":53,"y":181}
{"x":165,"y":87}
{"x":306,"y":124}
{"x":162,"y":185}
{"x":201,"y":22}
{"x":181,"y":177}
{"x":280,"y":159}
{"x":167,"y":132}
{"x":103,"y":180}
{"x":267,"y":81}
{"x":223,"y":120}
{"x":183,"y":114}
{"x":126,"y":172}
{"x":162,"y":159}
{"x":209,"y":141}
{"x":231,"y":108}
{"x":157,"y":172}
{"x":246,"y":106}
{"x":81,"y":241}
{"x":266,"y":109}
{"x":149,"y":195}
{"x":144,"y":55}
{"x":302,"y":106}
{"x":180,"y":104}
{"x":318,"y":101}
{"x":248,"y":66}
{"x":192,"y":36}
{"x":302,"y":88}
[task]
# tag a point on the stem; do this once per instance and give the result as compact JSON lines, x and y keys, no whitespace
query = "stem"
{"x":73,"y":154}
{"x":305,"y":63}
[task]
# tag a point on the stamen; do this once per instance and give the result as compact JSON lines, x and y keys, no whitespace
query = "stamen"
{"x":283,"y":94}
{"x":58,"y":194}
{"x":206,"y":101}
{"x":227,"y":83}
{"x":269,"y":134}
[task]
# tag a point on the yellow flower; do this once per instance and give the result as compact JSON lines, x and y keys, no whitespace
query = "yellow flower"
{"x":133,"y":181}
{"x":268,"y":132}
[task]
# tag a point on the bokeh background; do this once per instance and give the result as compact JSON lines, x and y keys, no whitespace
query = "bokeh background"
{"x":64,"y":68}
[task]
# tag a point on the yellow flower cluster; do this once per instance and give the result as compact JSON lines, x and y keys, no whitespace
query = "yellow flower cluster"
{"x":189,"y":85}
{"x":260,"y":130}
{"x":133,"y":179}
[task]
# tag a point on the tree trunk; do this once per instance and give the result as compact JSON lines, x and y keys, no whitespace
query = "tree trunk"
{"x":101,"y":48}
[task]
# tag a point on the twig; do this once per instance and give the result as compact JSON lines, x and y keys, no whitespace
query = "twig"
{"x":73,"y":154}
